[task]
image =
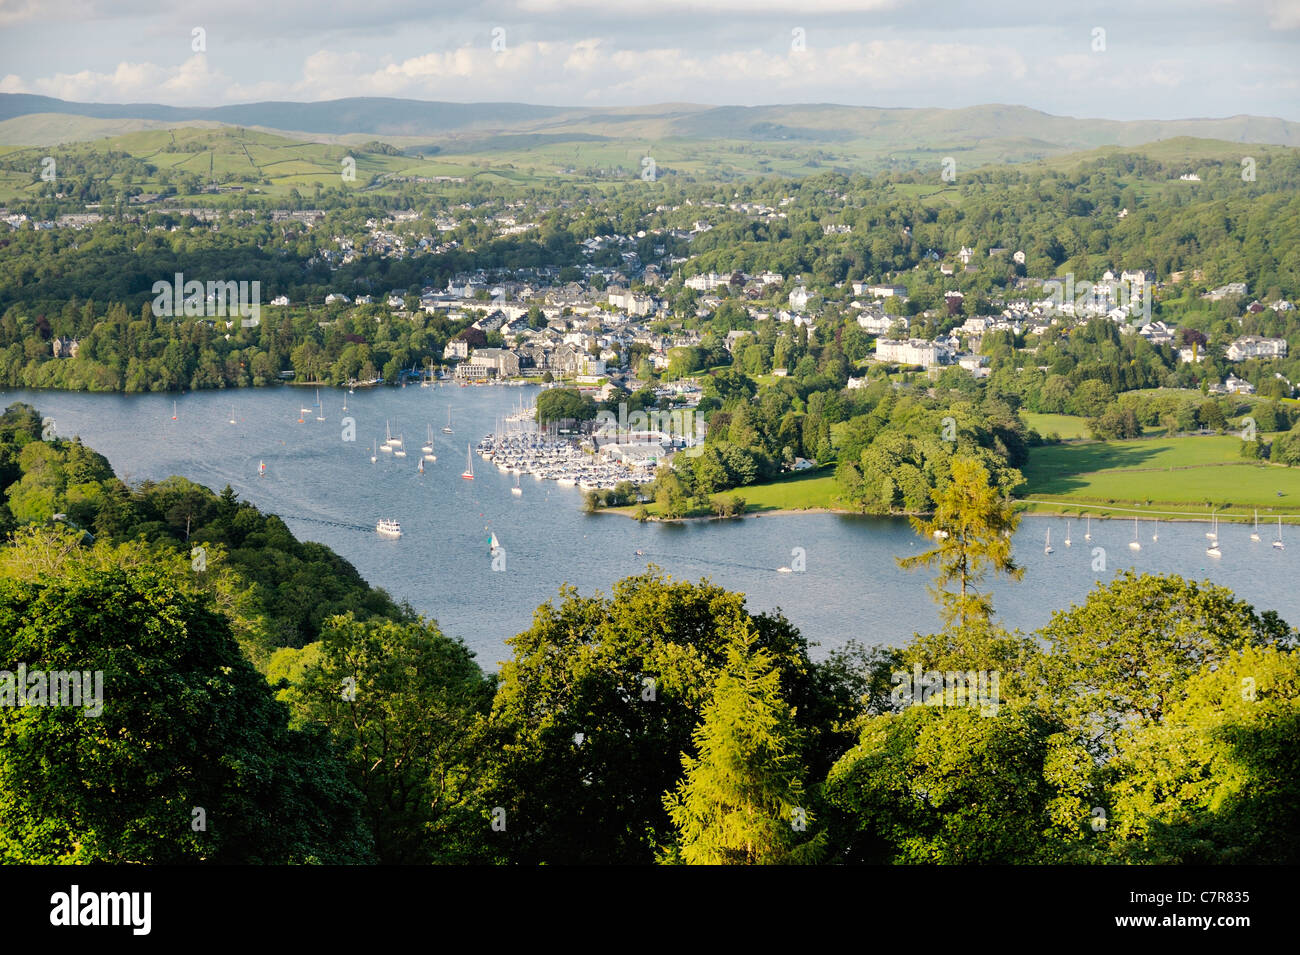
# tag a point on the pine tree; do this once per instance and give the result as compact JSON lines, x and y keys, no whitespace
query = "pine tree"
{"x":742,"y":799}
{"x":973,"y":520}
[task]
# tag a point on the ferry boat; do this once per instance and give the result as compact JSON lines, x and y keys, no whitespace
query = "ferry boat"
{"x":388,"y":528}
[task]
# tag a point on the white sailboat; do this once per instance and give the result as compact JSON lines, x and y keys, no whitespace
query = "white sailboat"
{"x":1155,"y":530}
{"x":421,"y":467}
{"x":517,"y":491}
{"x":374,"y":456}
{"x":345,"y":402}
{"x":1048,"y":548}
{"x":232,"y":414}
{"x":447,"y":427}
{"x":1088,"y":533}
{"x":1277,"y":543}
{"x":320,"y":408}
{"x":1213,"y":532}
{"x":428,"y":445}
{"x":1213,"y":549}
{"x":398,"y":452}
{"x":261,"y":469}
{"x":1255,"y":534}
{"x":173,"y":411}
{"x":468,"y":473}
{"x":1133,"y":544}
{"x":388,"y":439}
{"x":494,"y":545}
{"x":1067,"y":533}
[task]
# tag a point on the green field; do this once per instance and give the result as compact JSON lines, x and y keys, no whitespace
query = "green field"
{"x":1066,"y":426}
{"x":1192,"y":475}
{"x":811,"y":490}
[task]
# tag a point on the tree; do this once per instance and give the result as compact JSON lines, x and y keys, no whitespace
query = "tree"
{"x":599,"y":701}
{"x":742,"y":800}
{"x":1122,"y":656}
{"x":1216,"y":780}
{"x":564,"y":404}
{"x":191,"y":758}
{"x":973,"y":520}
{"x":669,"y":494}
{"x":402,"y":699}
{"x":950,"y":785}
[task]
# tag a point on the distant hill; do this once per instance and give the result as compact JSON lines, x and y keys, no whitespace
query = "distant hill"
{"x":1024,"y":131}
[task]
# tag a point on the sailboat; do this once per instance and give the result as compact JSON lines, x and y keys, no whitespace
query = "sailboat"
{"x":1088,"y":534}
{"x":468,"y":473}
{"x":373,"y":455}
{"x":421,"y":467}
{"x":1213,"y":532}
{"x":1067,"y":533}
{"x":447,"y":428}
{"x":397,"y":447}
{"x":320,"y":409}
{"x":261,"y":469}
{"x":494,"y":545}
{"x":345,"y":402}
{"x":1213,"y":549}
{"x":388,"y":439}
{"x":428,"y":445}
{"x":173,"y":411}
{"x":517,"y":491}
{"x":232,"y":414}
{"x":1048,"y":548}
{"x":1255,"y":534}
{"x":1155,"y":530}
{"x":1277,"y":544}
{"x":1133,"y":544}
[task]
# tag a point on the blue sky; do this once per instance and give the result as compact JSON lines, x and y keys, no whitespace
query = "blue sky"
{"x":1160,"y":59}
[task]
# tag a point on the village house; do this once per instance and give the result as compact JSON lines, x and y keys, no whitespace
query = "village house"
{"x":1254,"y":346}
{"x":914,"y":351}
{"x":489,"y":363}
{"x":65,"y":347}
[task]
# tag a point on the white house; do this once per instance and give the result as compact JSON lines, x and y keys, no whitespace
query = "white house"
{"x":914,"y":351}
{"x":880,"y":324}
{"x":1253,"y":346}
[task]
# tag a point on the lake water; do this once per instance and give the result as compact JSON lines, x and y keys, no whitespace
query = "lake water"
{"x":326,"y":489}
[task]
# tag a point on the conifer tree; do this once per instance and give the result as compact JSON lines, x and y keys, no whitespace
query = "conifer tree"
{"x":973,"y":521}
{"x":742,"y":800}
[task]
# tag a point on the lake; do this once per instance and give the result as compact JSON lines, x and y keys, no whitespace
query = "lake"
{"x":326,"y":489}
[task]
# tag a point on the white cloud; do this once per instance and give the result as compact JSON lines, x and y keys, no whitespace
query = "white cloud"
{"x":190,"y":82}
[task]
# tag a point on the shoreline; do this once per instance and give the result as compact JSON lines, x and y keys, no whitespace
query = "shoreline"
{"x":1072,"y":512}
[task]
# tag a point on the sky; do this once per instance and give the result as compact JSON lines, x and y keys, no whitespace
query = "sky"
{"x":1160,"y":59}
